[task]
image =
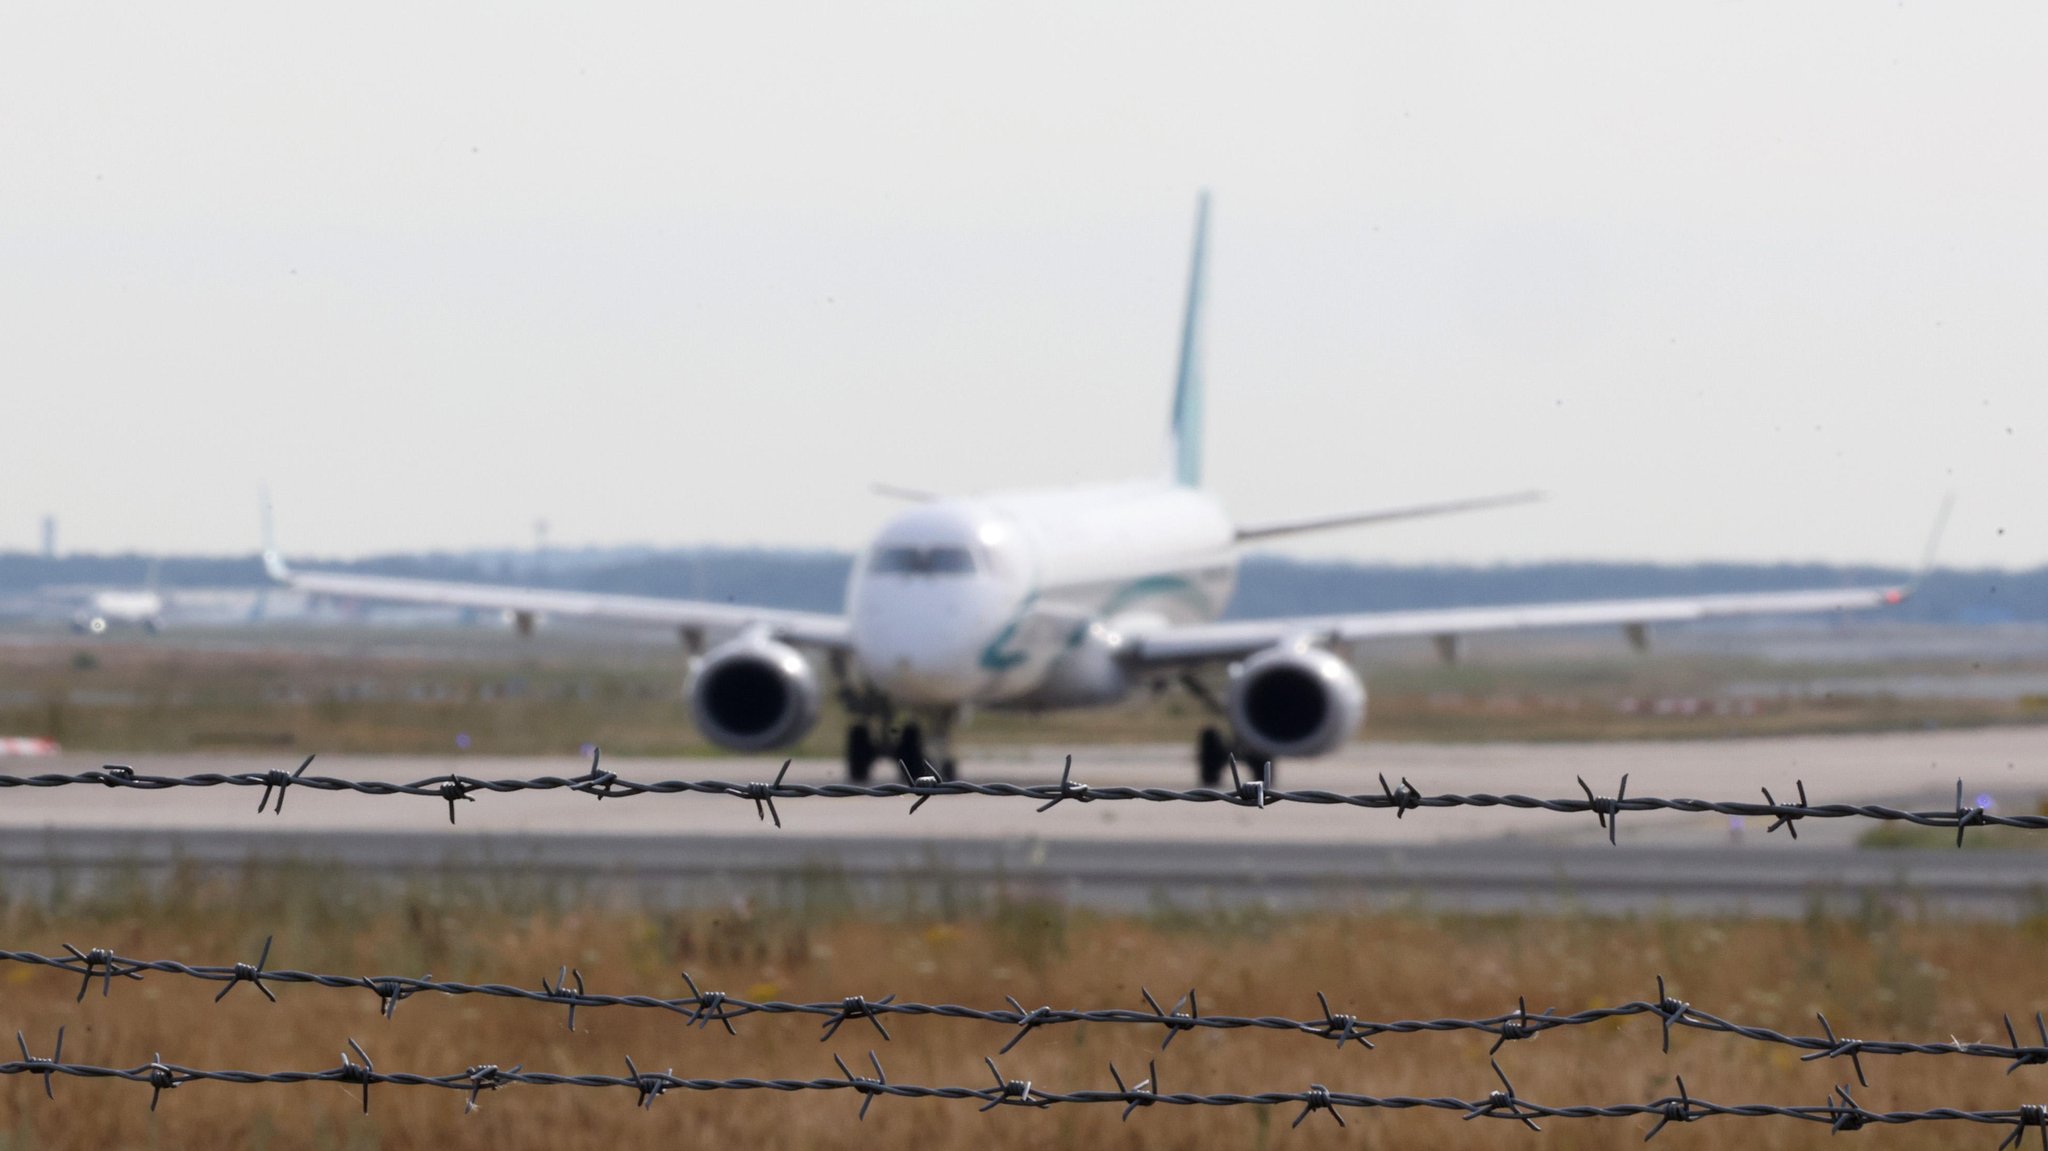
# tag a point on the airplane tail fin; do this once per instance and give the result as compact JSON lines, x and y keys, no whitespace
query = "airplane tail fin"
{"x":273,"y":560}
{"x":1184,"y":437}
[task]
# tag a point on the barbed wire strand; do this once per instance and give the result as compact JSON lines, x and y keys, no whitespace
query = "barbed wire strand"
{"x":702,"y":1008}
{"x":1841,"y":1111}
{"x":921,"y":788}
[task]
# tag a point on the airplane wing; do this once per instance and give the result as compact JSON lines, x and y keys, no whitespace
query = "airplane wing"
{"x":1217,"y":641}
{"x":808,"y":629}
{"x":1379,"y":516}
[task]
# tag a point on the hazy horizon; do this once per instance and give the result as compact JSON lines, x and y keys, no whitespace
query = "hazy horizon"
{"x":1743,"y":283}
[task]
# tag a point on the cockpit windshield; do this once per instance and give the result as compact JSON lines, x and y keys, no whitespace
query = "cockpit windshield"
{"x":896,"y":560}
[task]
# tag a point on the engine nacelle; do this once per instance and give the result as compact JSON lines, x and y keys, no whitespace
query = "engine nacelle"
{"x":753,"y":693}
{"x":1295,"y":700}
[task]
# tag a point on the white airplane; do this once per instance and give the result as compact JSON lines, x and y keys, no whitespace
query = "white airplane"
{"x":1074,"y":597}
{"x":139,"y":607}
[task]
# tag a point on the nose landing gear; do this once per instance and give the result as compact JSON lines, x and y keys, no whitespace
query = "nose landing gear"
{"x":1212,"y":759}
{"x":862,"y":751}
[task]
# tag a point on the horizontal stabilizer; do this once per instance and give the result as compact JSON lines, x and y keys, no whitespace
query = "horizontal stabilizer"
{"x":1383,"y":515}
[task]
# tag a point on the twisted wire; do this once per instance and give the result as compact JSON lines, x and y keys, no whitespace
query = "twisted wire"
{"x":704,"y":1008}
{"x":1840,"y":1110}
{"x":1254,"y":793}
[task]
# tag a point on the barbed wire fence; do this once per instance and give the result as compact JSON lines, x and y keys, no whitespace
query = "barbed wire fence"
{"x":1840,"y":1111}
{"x":922,"y":788}
{"x":702,"y":1008}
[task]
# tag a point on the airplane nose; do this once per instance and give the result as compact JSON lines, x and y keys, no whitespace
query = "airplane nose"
{"x":927,"y":672}
{"x":920,"y":655}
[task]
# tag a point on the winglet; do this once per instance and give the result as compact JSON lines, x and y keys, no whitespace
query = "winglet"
{"x":1184,"y":442}
{"x":1948,"y":504}
{"x":1927,"y":554}
{"x":273,"y":560}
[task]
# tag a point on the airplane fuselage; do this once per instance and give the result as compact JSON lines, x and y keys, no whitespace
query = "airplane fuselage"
{"x":143,"y":609}
{"x":1023,"y":598}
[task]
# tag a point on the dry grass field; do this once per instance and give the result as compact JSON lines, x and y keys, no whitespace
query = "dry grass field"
{"x":1875,"y":977}
{"x":415,"y":693}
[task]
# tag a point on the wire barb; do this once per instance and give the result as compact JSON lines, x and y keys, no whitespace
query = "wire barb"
{"x":1010,"y":1092}
{"x":1402,"y":799}
{"x":1971,"y":816}
{"x":596,"y":782}
{"x":278,"y":781}
{"x":487,"y":1077}
{"x":392,"y":992}
{"x":1249,"y":793}
{"x":1607,"y":811}
{"x":1517,"y":1027}
{"x":1143,"y":1093}
{"x":456,"y":789}
{"x":869,"y":1088}
{"x":1669,"y":1011}
{"x":1839,"y":1046}
{"x":1343,"y":1028}
{"x":250,"y":973}
{"x":1176,"y":1020}
{"x":105,"y":962}
{"x":2024,"y":1057}
{"x":2032,"y":1115}
{"x":161,"y":1078}
{"x":1677,"y":1110}
{"x":763,"y":795}
{"x":1068,"y":789}
{"x":1501,"y":1104}
{"x":364,"y":1073}
{"x":922,"y":786}
{"x":1317,"y":1098}
{"x":1787,"y":819}
{"x":649,"y":1085}
{"x":560,"y":992}
{"x":707,"y":1007}
{"x":1027,"y":1021}
{"x":857,"y":1007}
{"x":1849,"y":1115}
{"x":39,"y":1065}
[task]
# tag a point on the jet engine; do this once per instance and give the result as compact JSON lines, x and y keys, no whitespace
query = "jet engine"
{"x":753,"y":693}
{"x":1295,"y":700}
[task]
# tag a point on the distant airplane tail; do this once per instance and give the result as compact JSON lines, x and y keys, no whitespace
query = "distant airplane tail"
{"x":1184,"y":438}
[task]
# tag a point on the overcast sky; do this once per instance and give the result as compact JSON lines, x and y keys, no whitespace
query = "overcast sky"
{"x":1728,"y":281}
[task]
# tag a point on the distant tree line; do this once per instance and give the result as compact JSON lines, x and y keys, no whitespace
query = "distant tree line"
{"x":1268,"y":585}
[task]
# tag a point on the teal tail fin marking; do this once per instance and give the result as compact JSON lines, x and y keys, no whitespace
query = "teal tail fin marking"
{"x":1186,"y":433}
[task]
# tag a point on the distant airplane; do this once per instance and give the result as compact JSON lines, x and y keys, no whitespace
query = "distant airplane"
{"x":1039,"y":599}
{"x":135,"y":607}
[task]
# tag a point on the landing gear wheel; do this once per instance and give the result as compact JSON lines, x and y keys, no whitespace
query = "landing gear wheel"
{"x":860,"y":753}
{"x":949,"y":770}
{"x":910,"y":749}
{"x":1211,"y":757}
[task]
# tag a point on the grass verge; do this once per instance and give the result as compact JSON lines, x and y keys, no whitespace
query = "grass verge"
{"x":1875,"y":977}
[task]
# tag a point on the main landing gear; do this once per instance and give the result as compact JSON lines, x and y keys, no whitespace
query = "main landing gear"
{"x":860,"y":753}
{"x":862,"y":750}
{"x":1212,"y":760}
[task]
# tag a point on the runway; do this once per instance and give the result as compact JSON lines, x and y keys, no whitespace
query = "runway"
{"x":1128,"y":856}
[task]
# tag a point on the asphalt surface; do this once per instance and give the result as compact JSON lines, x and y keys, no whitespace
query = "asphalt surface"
{"x":707,"y":849}
{"x":894,"y":873}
